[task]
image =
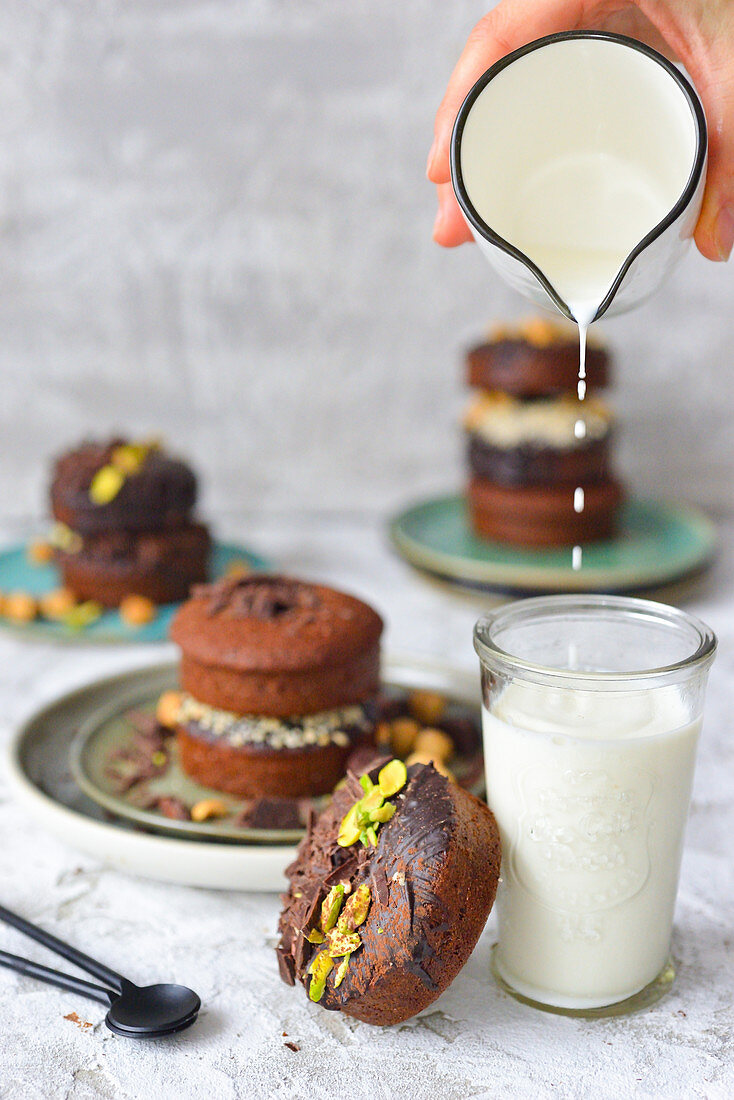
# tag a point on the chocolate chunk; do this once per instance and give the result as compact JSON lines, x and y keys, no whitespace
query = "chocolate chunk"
{"x":343,"y":872}
{"x":270,"y":813}
{"x":301,"y":953}
{"x":257,"y":597}
{"x":144,"y":722}
{"x":286,"y":966}
{"x":379,"y":881}
{"x":173,"y":808}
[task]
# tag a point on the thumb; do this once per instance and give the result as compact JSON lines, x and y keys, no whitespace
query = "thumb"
{"x":512,"y":23}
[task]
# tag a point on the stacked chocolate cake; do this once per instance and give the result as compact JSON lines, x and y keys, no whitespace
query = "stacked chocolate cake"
{"x":278,"y":676}
{"x":123,"y":523}
{"x":539,"y":457}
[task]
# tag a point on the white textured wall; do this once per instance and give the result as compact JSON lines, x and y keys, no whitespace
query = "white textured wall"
{"x":214,"y":222}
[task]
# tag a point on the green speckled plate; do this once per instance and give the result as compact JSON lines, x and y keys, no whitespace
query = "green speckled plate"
{"x":19,"y":574}
{"x":109,"y":729}
{"x":658,"y":543}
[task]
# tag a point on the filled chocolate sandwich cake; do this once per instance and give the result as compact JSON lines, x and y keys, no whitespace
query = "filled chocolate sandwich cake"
{"x":123,"y":523}
{"x":539,"y":457}
{"x":278,"y":680}
{"x":389,"y":892}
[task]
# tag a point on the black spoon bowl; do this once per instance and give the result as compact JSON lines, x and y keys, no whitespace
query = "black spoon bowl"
{"x":138,"y":1012}
{"x":151,"y":1010}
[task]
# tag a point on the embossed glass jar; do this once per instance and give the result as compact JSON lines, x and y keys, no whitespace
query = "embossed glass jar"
{"x":592,"y":708}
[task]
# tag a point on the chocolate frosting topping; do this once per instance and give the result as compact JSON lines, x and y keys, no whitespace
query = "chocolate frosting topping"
{"x":258,"y":597}
{"x":406,"y":913}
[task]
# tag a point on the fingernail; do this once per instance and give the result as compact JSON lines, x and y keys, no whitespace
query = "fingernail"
{"x":725,"y":231}
{"x":431,"y":157}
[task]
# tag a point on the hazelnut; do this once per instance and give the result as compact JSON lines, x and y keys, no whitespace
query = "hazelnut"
{"x":540,"y":333}
{"x":168,"y":708}
{"x":238,"y":567}
{"x":498,"y":331}
{"x":403,"y":732}
{"x":426,"y":706}
{"x":383,"y":734}
{"x":426,"y":758}
{"x":435,"y":743}
{"x":137,"y":610}
{"x":20,"y":607}
{"x":57,"y":604}
{"x":39,"y":552}
{"x":207,"y":808}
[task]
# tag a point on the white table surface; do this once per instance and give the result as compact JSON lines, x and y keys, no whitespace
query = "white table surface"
{"x":474,"y":1041}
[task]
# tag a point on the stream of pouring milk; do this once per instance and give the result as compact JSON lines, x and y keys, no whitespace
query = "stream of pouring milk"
{"x":577,"y":216}
{"x":578,"y":219}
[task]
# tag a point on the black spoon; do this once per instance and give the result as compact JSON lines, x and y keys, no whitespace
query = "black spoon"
{"x":139,"y":1012}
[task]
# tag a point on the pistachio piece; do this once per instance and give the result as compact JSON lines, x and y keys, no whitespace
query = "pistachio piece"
{"x":369,"y":836}
{"x":83,"y":614}
{"x":341,"y":970}
{"x":106,"y":484}
{"x":341,"y":943}
{"x":319,"y":970}
{"x":366,"y":783}
{"x":349,"y":829}
{"x":371,"y":801}
{"x":392,"y":777}
{"x":314,"y":936}
{"x":159,"y":758}
{"x":355,"y":911}
{"x":129,"y":457}
{"x":63,"y":538}
{"x":383,"y":814}
{"x":330,"y":907}
{"x":56,"y":604}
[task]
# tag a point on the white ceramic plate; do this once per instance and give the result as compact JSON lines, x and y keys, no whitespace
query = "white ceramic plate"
{"x":38,"y":765}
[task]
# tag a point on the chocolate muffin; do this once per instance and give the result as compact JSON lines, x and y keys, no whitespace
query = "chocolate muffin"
{"x":389,"y":893}
{"x":124,"y":525}
{"x":278,"y":677}
{"x":539,"y":456}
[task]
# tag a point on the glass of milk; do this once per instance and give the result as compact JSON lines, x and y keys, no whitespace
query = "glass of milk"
{"x":592,"y":708}
{"x":579,"y":163}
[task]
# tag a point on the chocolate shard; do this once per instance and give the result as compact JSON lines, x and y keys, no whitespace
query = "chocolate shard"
{"x":286,"y":966}
{"x":301,"y":953}
{"x":144,"y":722}
{"x":343,"y":872}
{"x":379,"y":881}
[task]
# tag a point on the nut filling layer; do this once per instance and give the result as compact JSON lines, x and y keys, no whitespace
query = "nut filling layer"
{"x":329,"y":727}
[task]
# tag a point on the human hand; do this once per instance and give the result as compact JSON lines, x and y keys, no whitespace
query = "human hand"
{"x":699,"y":33}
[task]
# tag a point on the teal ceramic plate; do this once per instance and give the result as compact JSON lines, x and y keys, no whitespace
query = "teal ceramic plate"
{"x":658,"y":543}
{"x":18,"y":574}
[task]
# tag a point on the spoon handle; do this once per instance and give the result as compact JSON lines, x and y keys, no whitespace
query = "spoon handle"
{"x":55,"y":977}
{"x":78,"y":958}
